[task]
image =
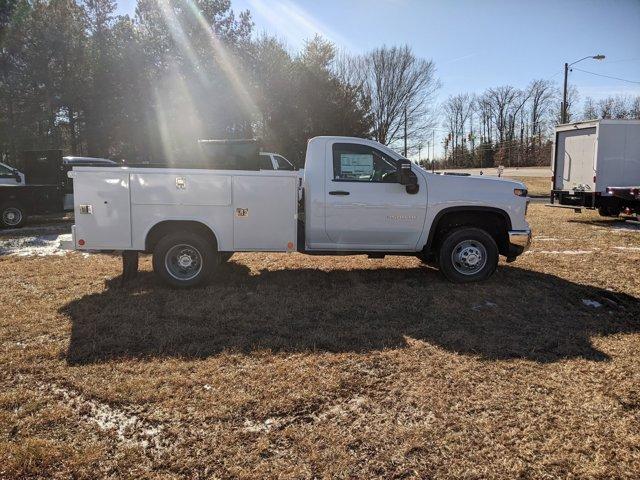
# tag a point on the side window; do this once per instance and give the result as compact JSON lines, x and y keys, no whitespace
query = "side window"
{"x":5,"y":172}
{"x":361,"y":163}
{"x":283,"y":163}
{"x":265,"y":162}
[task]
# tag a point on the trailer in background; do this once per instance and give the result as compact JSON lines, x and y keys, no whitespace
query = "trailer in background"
{"x":596,"y":164}
{"x":40,"y":185}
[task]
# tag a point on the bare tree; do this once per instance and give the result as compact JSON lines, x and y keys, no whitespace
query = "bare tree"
{"x":634,"y":111}
{"x":506,"y":104}
{"x":572,"y":101}
{"x":590,"y":109}
{"x":398,"y":84}
{"x":541,"y":95}
{"x":485,"y":117}
{"x":619,"y":106}
{"x":458,"y":111}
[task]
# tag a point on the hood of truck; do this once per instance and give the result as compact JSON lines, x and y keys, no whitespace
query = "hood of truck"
{"x":458,"y":191}
{"x":483,"y":182}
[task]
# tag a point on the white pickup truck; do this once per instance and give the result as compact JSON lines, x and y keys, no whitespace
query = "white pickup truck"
{"x":356,"y":197}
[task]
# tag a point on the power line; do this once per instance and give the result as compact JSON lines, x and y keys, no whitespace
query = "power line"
{"x":606,"y":76}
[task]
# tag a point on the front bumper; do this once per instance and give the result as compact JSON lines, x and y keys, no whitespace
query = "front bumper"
{"x":519,"y":242}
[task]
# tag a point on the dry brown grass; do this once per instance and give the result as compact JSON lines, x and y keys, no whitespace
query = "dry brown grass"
{"x":537,"y":186}
{"x":321,"y":367}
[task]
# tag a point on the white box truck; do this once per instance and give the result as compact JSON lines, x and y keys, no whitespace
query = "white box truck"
{"x":596,"y":164}
{"x":356,"y":197}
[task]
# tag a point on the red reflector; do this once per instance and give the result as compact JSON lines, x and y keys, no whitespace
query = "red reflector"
{"x":594,"y":179}
{"x":81,"y":242}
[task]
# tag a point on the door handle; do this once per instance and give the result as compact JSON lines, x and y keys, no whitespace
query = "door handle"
{"x":338,"y":192}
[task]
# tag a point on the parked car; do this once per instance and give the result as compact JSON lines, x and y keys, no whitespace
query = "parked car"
{"x":10,"y":175}
{"x":360,"y":197}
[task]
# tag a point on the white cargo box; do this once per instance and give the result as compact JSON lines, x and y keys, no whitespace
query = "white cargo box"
{"x":115,"y":208}
{"x":594,"y":155}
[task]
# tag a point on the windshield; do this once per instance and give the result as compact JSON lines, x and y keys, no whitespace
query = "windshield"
{"x":283,"y":163}
{"x":6,"y":171}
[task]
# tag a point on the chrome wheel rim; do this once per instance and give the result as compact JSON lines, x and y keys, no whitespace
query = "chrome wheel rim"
{"x":11,"y":216}
{"x":469,"y":257}
{"x":183,"y":262}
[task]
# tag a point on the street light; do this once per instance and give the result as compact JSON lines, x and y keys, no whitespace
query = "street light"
{"x":563,"y":113}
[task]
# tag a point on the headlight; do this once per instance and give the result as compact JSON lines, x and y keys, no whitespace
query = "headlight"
{"x":520,"y":192}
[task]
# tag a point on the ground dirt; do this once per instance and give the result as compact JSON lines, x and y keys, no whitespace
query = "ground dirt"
{"x":294,"y":366}
{"x":537,"y":186}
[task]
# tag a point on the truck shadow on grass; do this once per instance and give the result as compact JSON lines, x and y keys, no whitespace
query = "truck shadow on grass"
{"x":516,"y":314}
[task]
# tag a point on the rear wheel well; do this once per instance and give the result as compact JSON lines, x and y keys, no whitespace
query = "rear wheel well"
{"x":494,"y":222}
{"x":161,"y":229}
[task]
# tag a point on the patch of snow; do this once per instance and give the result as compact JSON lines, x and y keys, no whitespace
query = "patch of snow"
{"x":128,"y":427}
{"x":633,"y":249}
{"x":40,"y":246}
{"x":591,"y":303}
{"x":330,"y":413}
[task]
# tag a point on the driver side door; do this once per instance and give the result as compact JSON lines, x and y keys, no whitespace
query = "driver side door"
{"x":365,"y":206}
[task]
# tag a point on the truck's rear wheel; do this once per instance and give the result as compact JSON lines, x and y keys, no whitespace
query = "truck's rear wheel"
{"x":184,"y":259}
{"x":609,"y":211}
{"x":468,"y":255}
{"x":12,"y":215}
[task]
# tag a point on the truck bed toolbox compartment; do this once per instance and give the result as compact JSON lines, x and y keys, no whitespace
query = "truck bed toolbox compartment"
{"x":102,"y":209}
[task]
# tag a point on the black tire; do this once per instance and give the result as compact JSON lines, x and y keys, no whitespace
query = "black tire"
{"x":609,"y":211}
{"x":12,"y":215}
{"x":172,"y":248}
{"x":472,"y":245}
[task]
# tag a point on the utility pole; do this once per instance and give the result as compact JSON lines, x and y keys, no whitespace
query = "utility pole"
{"x":405,"y":132}
{"x":563,"y":115}
{"x":563,"y":107}
{"x":433,"y":153}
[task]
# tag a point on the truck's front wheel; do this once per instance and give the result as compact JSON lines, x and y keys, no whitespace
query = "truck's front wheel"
{"x":12,"y":215}
{"x":184,"y":259}
{"x":468,"y":255}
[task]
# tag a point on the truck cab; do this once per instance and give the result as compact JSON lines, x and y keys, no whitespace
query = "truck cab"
{"x":358,"y":197}
{"x":362,"y":197}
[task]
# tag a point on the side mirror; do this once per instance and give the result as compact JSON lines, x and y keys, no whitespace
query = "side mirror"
{"x":406,"y":176}
{"x":17,"y":176}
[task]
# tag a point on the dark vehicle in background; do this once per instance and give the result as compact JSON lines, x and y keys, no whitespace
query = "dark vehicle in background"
{"x":39,"y":185}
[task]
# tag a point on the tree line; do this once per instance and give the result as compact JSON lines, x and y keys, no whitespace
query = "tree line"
{"x":76,"y":76}
{"x":514,"y":127}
